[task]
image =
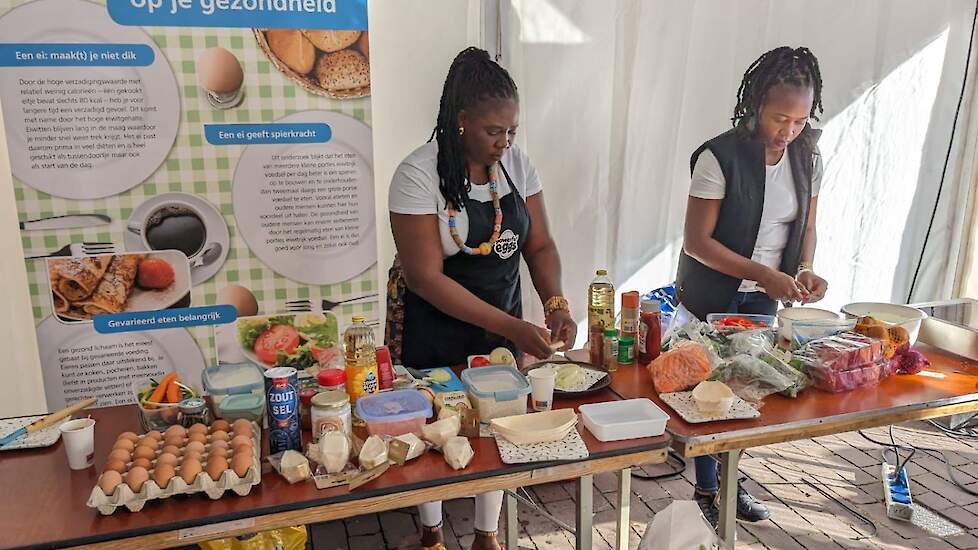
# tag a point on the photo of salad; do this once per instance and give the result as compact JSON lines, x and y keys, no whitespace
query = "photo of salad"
{"x":301,"y":341}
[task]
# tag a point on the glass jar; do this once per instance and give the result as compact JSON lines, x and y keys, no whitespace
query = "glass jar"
{"x":331,"y":412}
{"x":331,"y":379}
{"x":193,"y":411}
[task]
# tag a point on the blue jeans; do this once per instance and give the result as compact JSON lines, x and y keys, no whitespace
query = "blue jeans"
{"x":707,"y":480}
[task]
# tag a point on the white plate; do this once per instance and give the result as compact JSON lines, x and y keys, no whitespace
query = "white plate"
{"x":214,"y":224}
{"x":41,"y":438}
{"x":312,"y":267}
{"x":682,"y":402}
{"x":173,"y":349}
{"x":151,"y":300}
{"x":249,"y":354}
{"x":68,"y":21}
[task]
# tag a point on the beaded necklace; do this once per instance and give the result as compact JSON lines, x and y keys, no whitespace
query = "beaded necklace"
{"x":485,"y":248}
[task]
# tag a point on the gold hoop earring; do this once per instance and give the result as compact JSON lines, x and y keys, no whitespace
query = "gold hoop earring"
{"x":461,"y":130}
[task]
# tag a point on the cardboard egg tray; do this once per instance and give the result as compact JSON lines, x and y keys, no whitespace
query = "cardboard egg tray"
{"x":123,"y":495}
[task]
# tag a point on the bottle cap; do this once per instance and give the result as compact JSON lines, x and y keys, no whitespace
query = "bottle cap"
{"x":601,"y":272}
{"x":630,"y":300}
{"x":358,"y":319}
{"x":610,"y":332}
{"x":331,"y":377}
{"x":650,"y":306}
{"x":626,"y":340}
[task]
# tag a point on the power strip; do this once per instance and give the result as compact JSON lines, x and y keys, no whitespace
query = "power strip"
{"x":896,"y":491}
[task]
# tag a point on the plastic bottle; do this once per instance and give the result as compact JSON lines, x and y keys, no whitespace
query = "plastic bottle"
{"x":649,"y":332}
{"x":629,"y":316}
{"x":601,"y":301}
{"x":361,"y":360}
{"x":611,"y":349}
{"x":626,"y":351}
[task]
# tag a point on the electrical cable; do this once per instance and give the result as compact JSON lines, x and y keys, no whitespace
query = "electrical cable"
{"x":680,"y":467}
{"x":947,"y":158}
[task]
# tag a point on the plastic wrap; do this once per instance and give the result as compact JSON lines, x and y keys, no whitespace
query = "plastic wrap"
{"x":685,"y":365}
{"x":753,"y":379}
{"x":843,"y":362}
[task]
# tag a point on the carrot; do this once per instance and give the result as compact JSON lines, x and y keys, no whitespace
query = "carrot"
{"x":173,"y":393}
{"x":160,"y":391}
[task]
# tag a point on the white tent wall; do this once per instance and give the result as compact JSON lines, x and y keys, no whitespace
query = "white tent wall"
{"x":616,"y":95}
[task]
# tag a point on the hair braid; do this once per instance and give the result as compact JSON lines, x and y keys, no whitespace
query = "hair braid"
{"x":783,"y":65}
{"x":472,"y":79}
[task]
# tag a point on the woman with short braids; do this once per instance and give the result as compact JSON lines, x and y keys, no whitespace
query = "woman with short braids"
{"x":750,"y":219}
{"x":465,"y":207}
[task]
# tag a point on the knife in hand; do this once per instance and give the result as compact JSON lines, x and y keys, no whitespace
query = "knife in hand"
{"x":70,"y":221}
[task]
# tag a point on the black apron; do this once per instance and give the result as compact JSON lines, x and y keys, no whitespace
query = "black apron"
{"x":434,"y":339}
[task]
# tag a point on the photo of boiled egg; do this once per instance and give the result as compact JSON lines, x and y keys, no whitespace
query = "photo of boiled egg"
{"x":221,"y":78}
{"x":243,"y":300}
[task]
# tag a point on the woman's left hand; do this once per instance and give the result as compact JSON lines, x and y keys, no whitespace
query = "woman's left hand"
{"x":562,"y":328}
{"x":816,"y":286}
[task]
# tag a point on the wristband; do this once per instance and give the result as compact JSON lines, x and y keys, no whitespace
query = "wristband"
{"x":555,"y":303}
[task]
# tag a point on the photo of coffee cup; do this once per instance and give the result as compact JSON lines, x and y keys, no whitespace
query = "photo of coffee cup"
{"x":172,"y":226}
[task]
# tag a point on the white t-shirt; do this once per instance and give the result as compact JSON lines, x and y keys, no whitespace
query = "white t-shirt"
{"x":414,"y":189}
{"x":780,"y":204}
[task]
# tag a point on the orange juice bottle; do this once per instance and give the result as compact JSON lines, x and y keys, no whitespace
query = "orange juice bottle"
{"x":361,"y":360}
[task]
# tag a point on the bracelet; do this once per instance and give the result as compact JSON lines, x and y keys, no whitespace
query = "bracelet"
{"x":803,"y":267}
{"x":555,"y":303}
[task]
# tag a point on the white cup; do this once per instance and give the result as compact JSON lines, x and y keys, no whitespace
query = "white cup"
{"x":542,"y":387}
{"x":79,"y":440}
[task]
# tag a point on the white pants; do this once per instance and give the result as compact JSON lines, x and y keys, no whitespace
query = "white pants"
{"x":487,"y":508}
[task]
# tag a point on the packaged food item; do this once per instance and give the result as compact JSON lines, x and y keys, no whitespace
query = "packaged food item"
{"x":385,"y":368}
{"x":284,"y":432}
{"x":595,"y":345}
{"x":291,"y":465}
{"x":226,"y":380}
{"x":458,"y":452}
{"x":601,"y":301}
{"x":439,"y":432}
{"x":754,"y":379}
{"x":649,"y":332}
{"x":626,"y":351}
{"x":333,"y":451}
{"x":305,"y":407}
{"x":331,"y":412}
{"x":842,"y":352}
{"x":373,"y":453}
{"x":610,"y":349}
{"x":681,"y":368}
{"x":415,"y":445}
{"x":630,"y":303}
{"x":361,"y":360}
{"x":496,"y":391}
{"x":394,"y":412}
{"x":835,"y":380}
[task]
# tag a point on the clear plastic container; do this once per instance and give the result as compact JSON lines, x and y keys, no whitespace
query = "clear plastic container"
{"x":394,"y":412}
{"x":628,"y":419}
{"x":226,"y":379}
{"x":496,"y":391}
{"x":249,"y":406}
{"x":836,"y":381}
{"x":725,"y":322}
{"x":156,"y":417}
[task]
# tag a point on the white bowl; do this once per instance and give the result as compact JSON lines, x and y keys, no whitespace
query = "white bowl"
{"x":789,"y":315}
{"x":713,"y":397}
{"x":895,"y":314}
{"x":541,"y":427}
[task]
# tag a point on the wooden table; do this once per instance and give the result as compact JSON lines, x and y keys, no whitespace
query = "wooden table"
{"x":44,"y":501}
{"x":948,"y":386}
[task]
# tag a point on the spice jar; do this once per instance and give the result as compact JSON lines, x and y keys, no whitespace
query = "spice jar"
{"x":305,"y":407}
{"x":611,"y":350}
{"x":595,"y":344}
{"x":626,"y":351}
{"x":332,"y":379}
{"x":193,"y":411}
{"x":629,"y":315}
{"x":331,"y":412}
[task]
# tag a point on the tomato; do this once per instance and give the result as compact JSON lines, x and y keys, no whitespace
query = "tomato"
{"x":480,"y":361}
{"x":282,"y":338}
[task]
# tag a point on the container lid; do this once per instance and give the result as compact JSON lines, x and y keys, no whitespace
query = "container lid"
{"x":630,"y":299}
{"x":392,"y":406}
{"x":331,"y":377}
{"x":306,"y":395}
{"x":330,"y":399}
{"x":244,"y":402}
{"x":610,"y":332}
{"x":192,"y":405}
{"x":651,"y":306}
{"x":499,"y":382}
{"x":232,"y":378}
{"x":626,"y":340}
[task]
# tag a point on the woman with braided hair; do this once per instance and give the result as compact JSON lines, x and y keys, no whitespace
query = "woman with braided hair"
{"x":749,"y":239}
{"x":464,"y":208}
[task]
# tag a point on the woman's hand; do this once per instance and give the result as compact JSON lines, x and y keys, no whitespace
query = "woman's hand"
{"x":816,"y":286}
{"x":781,"y":286}
{"x":562,"y":328}
{"x":530,"y":338}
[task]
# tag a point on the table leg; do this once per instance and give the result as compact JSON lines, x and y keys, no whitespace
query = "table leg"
{"x":512,"y":526}
{"x":624,"y":503}
{"x":729,"y":477}
{"x":585,"y":511}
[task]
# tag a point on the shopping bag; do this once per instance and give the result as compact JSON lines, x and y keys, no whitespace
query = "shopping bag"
{"x":284,"y":538}
{"x":680,"y":526}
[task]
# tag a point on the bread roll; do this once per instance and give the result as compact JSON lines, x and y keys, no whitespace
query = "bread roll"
{"x":343,"y":70}
{"x":292,"y":48}
{"x":332,"y":41}
{"x":364,"y":44}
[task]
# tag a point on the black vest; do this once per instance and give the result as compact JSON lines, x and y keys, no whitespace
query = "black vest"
{"x":704,"y":290}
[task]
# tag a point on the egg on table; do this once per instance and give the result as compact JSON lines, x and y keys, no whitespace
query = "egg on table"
{"x":219,"y":435}
{"x":220,"y":424}
{"x":174,"y":441}
{"x":109,"y":480}
{"x":125,"y":444}
{"x":172,"y":449}
{"x":153,"y":434}
{"x":241,"y":298}
{"x":217,"y":451}
{"x":190,"y":469}
{"x":136,"y":477}
{"x":241,"y":462}
{"x":166,"y":458}
{"x":142,"y":463}
{"x":163,"y":474}
{"x":130,"y":436}
{"x":197,"y":428}
{"x":197,"y":436}
{"x":144,"y":451}
{"x":115,"y":465}
{"x":192,"y":455}
{"x":194,"y":446}
{"x":216,"y":467}
{"x":240,"y":441}
{"x":175,"y":430}
{"x":219,"y":444}
{"x":120,"y":455}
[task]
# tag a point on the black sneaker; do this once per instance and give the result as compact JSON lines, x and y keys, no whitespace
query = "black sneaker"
{"x":707,"y":504}
{"x":750,"y":509}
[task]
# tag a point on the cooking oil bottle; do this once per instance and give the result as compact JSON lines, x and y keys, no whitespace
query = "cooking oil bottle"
{"x":601,"y":301}
{"x":361,"y":360}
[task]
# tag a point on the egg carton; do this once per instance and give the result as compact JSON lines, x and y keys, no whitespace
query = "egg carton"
{"x":124,"y":496}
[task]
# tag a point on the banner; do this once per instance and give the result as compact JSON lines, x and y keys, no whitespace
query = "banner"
{"x":172,"y":158}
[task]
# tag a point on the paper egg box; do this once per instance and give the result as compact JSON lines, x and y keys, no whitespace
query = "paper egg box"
{"x":215,"y":489}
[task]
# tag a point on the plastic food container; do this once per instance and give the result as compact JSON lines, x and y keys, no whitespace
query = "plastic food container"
{"x":628,"y":419}
{"x":837,"y":381}
{"x":725,"y":322}
{"x":159,"y":417}
{"x":227,"y":379}
{"x":394,"y":412}
{"x":249,"y":406}
{"x":496,"y":391}
{"x":789,"y":316}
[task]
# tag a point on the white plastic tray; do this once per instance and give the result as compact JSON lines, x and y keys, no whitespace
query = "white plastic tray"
{"x":628,"y":419}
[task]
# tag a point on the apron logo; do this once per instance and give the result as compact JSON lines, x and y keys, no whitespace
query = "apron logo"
{"x":507,"y":244}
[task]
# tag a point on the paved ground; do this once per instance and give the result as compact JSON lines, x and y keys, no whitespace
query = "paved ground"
{"x":845,"y":466}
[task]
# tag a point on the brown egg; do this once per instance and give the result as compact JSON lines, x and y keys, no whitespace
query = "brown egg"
{"x":219,"y":435}
{"x":124,"y":444}
{"x":240,"y":441}
{"x":198,"y":436}
{"x":219,"y":444}
{"x":220,"y":425}
{"x":217,"y":451}
{"x":242,"y":427}
{"x":197,"y":428}
{"x":196,"y":446}
{"x":148,"y":442}
{"x":120,"y":454}
{"x":174,"y":441}
{"x":216,"y":467}
{"x":166,"y":458}
{"x":192,"y":455}
{"x":153,"y":434}
{"x":175,"y":430}
{"x":142,"y":462}
{"x":241,"y":298}
{"x":115,"y":465}
{"x":163,"y":474}
{"x":136,"y":477}
{"x":130,"y":436}
{"x":172,"y":449}
{"x":240,"y":462}
{"x":144,"y":451}
{"x":189,"y":469}
{"x":109,"y":480}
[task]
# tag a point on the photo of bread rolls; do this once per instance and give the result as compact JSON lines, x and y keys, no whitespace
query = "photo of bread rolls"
{"x":331,"y":63}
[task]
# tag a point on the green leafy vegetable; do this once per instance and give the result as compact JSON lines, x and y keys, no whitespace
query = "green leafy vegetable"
{"x":250,"y":329}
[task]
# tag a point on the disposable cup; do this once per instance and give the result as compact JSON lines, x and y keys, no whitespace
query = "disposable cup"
{"x":542,"y":388}
{"x":79,"y":440}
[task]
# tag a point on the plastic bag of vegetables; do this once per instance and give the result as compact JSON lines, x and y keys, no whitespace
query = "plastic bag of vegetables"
{"x":688,"y":363}
{"x":753,"y":378}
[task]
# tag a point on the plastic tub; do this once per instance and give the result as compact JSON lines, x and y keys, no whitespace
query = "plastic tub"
{"x":758,"y":321}
{"x":226,"y":379}
{"x":249,"y":406}
{"x":628,"y":419}
{"x":156,"y":417}
{"x":394,"y":412}
{"x":788,"y":316}
{"x":496,"y":391}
